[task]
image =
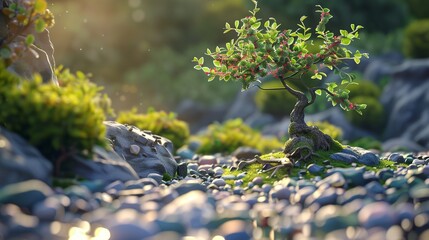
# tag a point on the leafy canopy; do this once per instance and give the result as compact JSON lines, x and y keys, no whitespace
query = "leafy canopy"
{"x":263,"y":49}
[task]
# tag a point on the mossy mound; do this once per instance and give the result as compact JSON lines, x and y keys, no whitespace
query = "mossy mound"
{"x":416,"y":38}
{"x":227,"y":137}
{"x":364,"y":88}
{"x":373,"y":117}
{"x":333,"y":131}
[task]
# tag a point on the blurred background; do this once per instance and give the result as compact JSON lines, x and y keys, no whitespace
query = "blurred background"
{"x":141,"y":50}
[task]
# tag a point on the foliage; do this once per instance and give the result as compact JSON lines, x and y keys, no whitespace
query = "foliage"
{"x":365,"y":88}
{"x":23,"y":19}
{"x":419,"y":8}
{"x":277,"y":103}
{"x":56,"y":120}
{"x":366,"y":143}
{"x":416,"y":39}
{"x":329,"y":129}
{"x":227,"y":137}
{"x":260,"y":50}
{"x":374,"y":115}
{"x":158,"y":122}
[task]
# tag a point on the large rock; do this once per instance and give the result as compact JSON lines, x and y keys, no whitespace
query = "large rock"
{"x":406,"y":99}
{"x":105,"y":165}
{"x":19,"y":161}
{"x":145,"y":152}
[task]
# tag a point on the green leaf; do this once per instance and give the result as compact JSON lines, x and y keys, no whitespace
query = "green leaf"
{"x":345,"y":41}
{"x":345,"y":82}
{"x":237,"y":23}
{"x":201,"y":61}
{"x":40,"y":6}
{"x":197,"y":67}
{"x":267,"y":24}
{"x":40,"y":25}
{"x":306,"y":36}
{"x":352,"y":26}
{"x":208,"y":51}
{"x":356,"y":59}
{"x":29,"y":39}
{"x":318,"y":92}
{"x":344,"y":33}
{"x":256,"y":25}
{"x":206,"y":69}
{"x":302,"y":18}
{"x":217,"y":63}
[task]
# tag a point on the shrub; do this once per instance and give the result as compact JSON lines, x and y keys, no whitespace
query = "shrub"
{"x":373,"y":118}
{"x":227,"y":137}
{"x":329,"y":129}
{"x":56,"y":120}
{"x":158,"y":122}
{"x":415,"y":44}
{"x":365,"y":88}
{"x":277,"y":102}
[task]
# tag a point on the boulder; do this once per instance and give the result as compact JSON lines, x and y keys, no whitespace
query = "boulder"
{"x":145,"y":152}
{"x":105,"y":165}
{"x":405,"y":99}
{"x":19,"y":161}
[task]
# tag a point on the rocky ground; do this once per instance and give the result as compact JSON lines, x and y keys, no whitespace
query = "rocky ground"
{"x":206,"y":201}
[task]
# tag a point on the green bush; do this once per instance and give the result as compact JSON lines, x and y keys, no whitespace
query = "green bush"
{"x":364,"y":88}
{"x":329,"y":129}
{"x":227,"y":137}
{"x":158,"y":122}
{"x":416,"y":38}
{"x":56,"y":120}
{"x":278,"y":103}
{"x":373,"y":116}
{"x":419,"y":8}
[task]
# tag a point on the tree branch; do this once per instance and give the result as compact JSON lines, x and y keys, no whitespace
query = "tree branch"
{"x":313,"y":93}
{"x":269,"y":89}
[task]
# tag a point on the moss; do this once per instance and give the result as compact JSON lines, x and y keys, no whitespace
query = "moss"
{"x":227,"y":137}
{"x":160,"y":123}
{"x":366,"y":143}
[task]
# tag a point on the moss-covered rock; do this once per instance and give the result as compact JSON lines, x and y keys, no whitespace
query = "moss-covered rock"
{"x":227,"y":137}
{"x":364,"y":88}
{"x":329,"y":129}
{"x":160,"y":123}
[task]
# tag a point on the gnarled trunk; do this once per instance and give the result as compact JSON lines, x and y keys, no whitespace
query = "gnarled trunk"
{"x":303,"y":140}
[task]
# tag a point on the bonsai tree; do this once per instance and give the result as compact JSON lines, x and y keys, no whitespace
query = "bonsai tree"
{"x":263,"y":50}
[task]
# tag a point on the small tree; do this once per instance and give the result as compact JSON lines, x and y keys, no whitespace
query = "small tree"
{"x":261,"y":50}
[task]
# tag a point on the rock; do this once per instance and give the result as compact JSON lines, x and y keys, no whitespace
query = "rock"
{"x":219,"y":182}
{"x":405,"y":99}
{"x":25,"y":194}
{"x":401,"y":144}
{"x":353,"y":176}
{"x":185,"y":153}
{"x":155,"y":151}
{"x":315,"y":169}
{"x":243,"y":106}
{"x":19,"y":161}
{"x":396,"y":157}
{"x":334,"y":180}
{"x":207,"y":160}
{"x":246,"y":153}
{"x":259,"y":120}
{"x":369,"y":159}
{"x":377,"y":214}
{"x":192,"y":209}
{"x":182,"y":169}
{"x":344,"y":157}
{"x":105,"y":165}
{"x":49,"y":209}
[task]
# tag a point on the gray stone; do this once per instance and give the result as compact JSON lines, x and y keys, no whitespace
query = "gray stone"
{"x":155,"y":176}
{"x":401,"y":144}
{"x":375,"y":188}
{"x":19,"y":161}
{"x":49,"y":209}
{"x":353,"y":176}
{"x":105,"y":165}
{"x":155,"y":155}
{"x":186,"y":186}
{"x":396,"y":157}
{"x":246,"y":153}
{"x":192,"y":209}
{"x":220,"y":182}
{"x":185,"y":153}
{"x":207,"y":160}
{"x":315,"y":169}
{"x":182,"y":169}
{"x":343,"y":157}
{"x":25,"y":194}
{"x":377,"y":214}
{"x":334,"y":180}
{"x":369,"y":159}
